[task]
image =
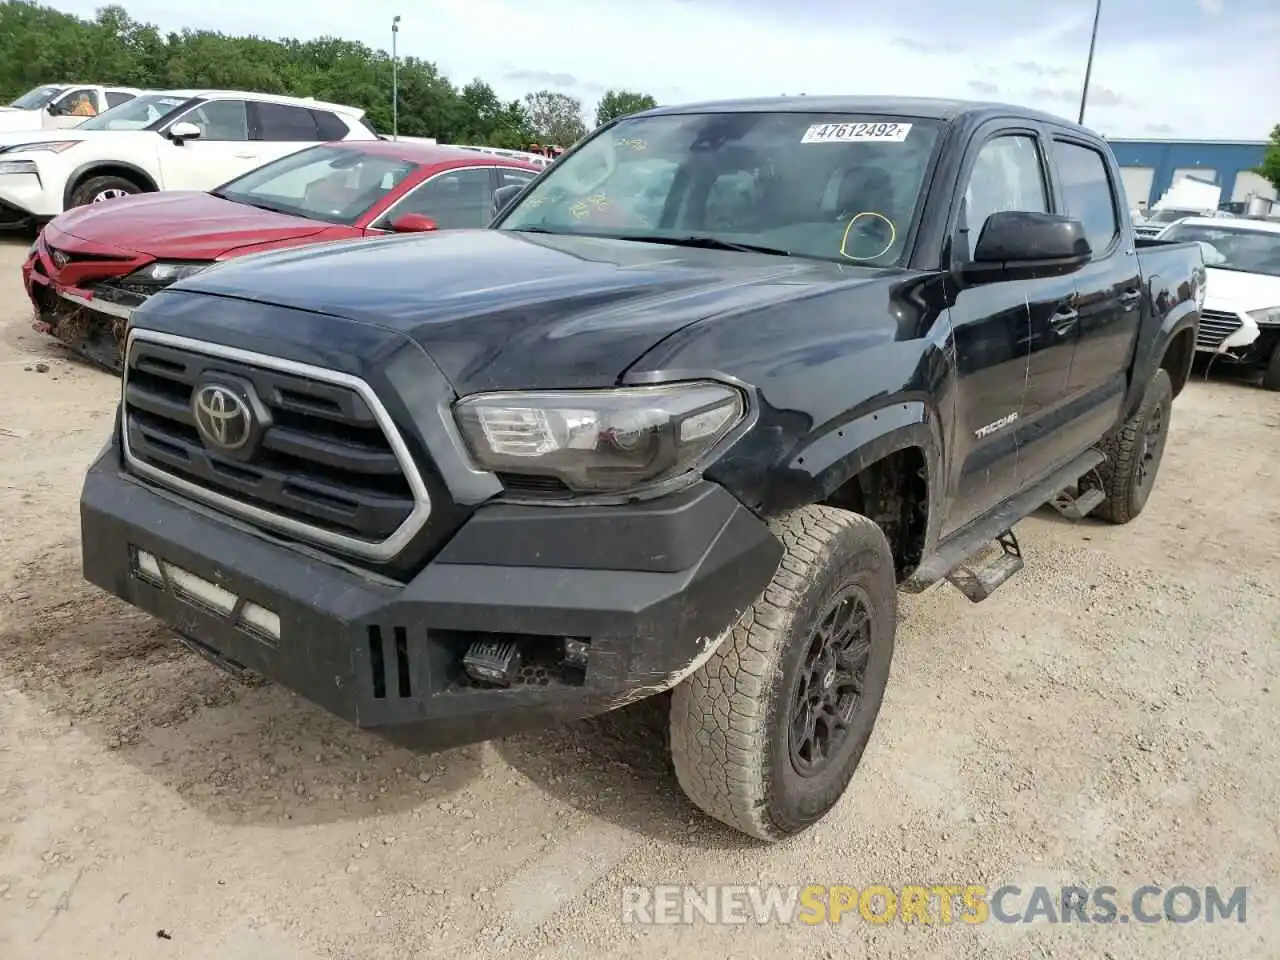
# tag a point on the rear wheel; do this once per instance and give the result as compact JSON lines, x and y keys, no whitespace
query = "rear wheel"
{"x":1134,"y":452}
{"x":98,"y":189}
{"x":766,"y":735}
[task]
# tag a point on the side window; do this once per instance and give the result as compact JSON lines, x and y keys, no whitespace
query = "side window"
{"x":282,"y":123}
{"x":511,"y":178}
{"x":82,"y":102}
{"x":117,"y":97}
{"x":458,"y":199}
{"x":219,"y":120}
{"x":330,"y":127}
{"x":1007,"y":175}
{"x":1087,"y":194}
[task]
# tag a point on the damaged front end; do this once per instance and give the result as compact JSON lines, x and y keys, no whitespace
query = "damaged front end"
{"x":92,"y":328}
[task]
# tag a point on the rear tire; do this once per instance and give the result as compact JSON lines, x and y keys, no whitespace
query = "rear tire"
{"x":1271,"y":376}
{"x":766,"y":735}
{"x":1134,"y":452}
{"x":97,"y":189}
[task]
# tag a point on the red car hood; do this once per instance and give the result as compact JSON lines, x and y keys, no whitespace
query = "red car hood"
{"x":182,"y":225}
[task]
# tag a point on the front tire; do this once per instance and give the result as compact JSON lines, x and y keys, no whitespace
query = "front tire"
{"x":1134,"y":452}
{"x":1271,"y":376}
{"x":98,"y":189}
{"x":766,"y":735}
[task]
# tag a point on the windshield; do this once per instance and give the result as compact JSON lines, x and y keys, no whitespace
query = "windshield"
{"x":1168,"y":216}
{"x":136,"y":114}
{"x":831,"y":187}
{"x":330,"y":183}
{"x":1228,"y":248}
{"x":37,"y":98}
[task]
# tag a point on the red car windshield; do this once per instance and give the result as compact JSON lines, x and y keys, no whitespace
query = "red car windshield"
{"x":333,"y":184}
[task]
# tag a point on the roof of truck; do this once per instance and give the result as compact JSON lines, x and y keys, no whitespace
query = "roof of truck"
{"x":925,"y":108}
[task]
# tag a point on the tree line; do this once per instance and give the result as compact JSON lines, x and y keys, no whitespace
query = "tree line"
{"x":41,"y":45}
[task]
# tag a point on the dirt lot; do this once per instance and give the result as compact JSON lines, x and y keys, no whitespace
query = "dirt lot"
{"x":1110,"y":717}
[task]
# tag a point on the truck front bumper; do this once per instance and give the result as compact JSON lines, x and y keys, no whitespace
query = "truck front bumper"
{"x":650,"y":589}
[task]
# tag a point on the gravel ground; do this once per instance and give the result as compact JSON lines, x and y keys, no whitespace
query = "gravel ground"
{"x":1108,"y":718}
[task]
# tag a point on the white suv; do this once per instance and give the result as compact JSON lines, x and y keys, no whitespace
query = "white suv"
{"x":175,"y":140}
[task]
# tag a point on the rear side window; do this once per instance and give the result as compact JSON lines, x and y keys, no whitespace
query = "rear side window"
{"x":330,"y":127}
{"x":1087,"y":193}
{"x":116,"y":97}
{"x":283,"y":123}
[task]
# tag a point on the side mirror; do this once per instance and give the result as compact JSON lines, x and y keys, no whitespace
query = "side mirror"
{"x":182,"y":131}
{"x":413,"y":223}
{"x":503,"y":196}
{"x":1015,"y":245}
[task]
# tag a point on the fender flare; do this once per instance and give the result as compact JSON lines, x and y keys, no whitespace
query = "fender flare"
{"x":84,"y":169}
{"x":845,"y":449}
{"x":1184,"y":316}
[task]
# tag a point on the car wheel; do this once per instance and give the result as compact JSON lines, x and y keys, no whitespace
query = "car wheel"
{"x":98,"y":189}
{"x":1271,"y":376}
{"x":766,"y":735}
{"x":1133,"y":453}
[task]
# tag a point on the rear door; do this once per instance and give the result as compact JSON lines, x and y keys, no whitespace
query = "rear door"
{"x":1008,"y":369}
{"x":1109,"y":294}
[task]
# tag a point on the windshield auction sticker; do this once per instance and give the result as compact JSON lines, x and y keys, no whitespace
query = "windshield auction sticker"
{"x":856,"y":132}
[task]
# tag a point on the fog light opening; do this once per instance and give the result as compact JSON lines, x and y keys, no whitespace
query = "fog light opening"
{"x":260,"y":620}
{"x":146,"y":566}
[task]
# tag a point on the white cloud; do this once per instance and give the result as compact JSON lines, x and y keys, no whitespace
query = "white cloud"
{"x":1210,"y":6}
{"x":682,"y":51}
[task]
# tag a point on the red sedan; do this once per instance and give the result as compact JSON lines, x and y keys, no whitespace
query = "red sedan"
{"x":94,"y":265}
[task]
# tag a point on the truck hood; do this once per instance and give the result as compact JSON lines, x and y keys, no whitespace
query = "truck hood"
{"x":504,"y":310}
{"x":1240,"y":292}
{"x":15,"y":118}
{"x":183,"y":225}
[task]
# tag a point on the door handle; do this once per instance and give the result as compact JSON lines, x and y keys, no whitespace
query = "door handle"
{"x":1064,"y":320}
{"x":246,"y":156}
{"x":1130,"y":298}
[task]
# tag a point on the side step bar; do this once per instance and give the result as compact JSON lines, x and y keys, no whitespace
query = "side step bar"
{"x":981,"y":582}
{"x":956,"y":550}
{"x":1077,"y":507}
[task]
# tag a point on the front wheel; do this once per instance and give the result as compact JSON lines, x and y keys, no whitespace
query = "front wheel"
{"x":766,"y":735}
{"x":98,"y":189}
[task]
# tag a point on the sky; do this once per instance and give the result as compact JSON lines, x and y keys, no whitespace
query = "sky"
{"x":1194,"y":69}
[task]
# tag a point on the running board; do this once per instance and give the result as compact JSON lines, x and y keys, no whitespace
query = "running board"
{"x":1077,"y":507}
{"x":978,"y":583}
{"x":963,"y":544}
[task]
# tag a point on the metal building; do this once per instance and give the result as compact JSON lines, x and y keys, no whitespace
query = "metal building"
{"x":1150,"y":167}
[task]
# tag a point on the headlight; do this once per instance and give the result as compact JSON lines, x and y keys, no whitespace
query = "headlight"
{"x":160,"y":272}
{"x":1270,"y":317}
{"x":46,"y":146}
{"x":600,"y":441}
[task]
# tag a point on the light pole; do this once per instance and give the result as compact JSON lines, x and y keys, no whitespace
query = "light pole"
{"x":394,"y":80}
{"x":1088,"y":67}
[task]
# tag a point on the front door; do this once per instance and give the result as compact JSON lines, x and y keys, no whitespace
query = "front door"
{"x":1008,"y":369}
{"x":1109,"y":293}
{"x":71,"y":109}
{"x":221,"y":152}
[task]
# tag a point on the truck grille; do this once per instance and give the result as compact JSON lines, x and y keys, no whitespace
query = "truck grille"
{"x":321,"y":462}
{"x":1216,"y":326}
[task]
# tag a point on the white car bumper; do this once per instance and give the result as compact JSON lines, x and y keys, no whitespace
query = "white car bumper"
{"x":24,"y":192}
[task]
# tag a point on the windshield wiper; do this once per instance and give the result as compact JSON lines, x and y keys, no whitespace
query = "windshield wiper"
{"x":703,"y":242}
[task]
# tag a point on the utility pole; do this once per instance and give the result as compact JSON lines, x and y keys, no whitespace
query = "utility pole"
{"x":396,"y":80}
{"x":1088,"y":67}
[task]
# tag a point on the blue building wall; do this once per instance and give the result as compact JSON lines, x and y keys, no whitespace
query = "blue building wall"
{"x":1228,"y":158}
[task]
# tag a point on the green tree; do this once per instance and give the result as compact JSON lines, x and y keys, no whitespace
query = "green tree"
{"x":620,"y":103}
{"x":1269,"y":169}
{"x":41,"y":45}
{"x":556,"y":118}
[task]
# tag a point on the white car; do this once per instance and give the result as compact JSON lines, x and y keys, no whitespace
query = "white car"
{"x":53,"y":106}
{"x":1240,"y":320}
{"x":175,"y":140}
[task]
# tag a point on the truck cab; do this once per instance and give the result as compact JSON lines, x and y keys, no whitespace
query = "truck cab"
{"x":61,"y":105}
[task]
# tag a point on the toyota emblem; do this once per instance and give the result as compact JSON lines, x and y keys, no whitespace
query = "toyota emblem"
{"x":223,"y":419}
{"x":60,"y":259}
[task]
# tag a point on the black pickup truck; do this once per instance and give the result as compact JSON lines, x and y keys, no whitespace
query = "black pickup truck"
{"x":684,"y":418}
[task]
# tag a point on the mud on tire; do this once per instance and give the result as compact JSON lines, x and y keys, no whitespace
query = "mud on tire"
{"x":1134,"y":451}
{"x":733,"y":745}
